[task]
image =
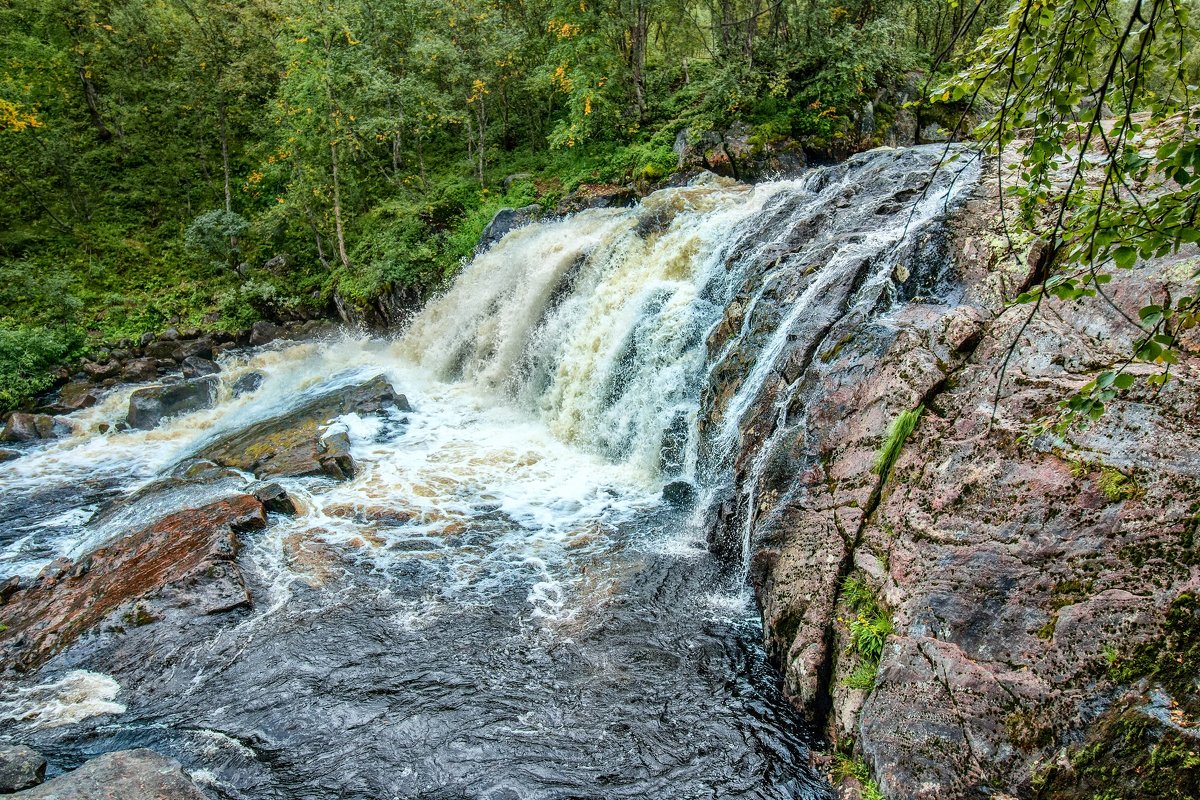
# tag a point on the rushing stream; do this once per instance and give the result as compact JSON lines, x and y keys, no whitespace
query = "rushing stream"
{"x":499,"y":604}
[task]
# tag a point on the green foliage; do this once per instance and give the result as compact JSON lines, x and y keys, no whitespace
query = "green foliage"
{"x":26,"y":356}
{"x":862,"y":676}
{"x":847,"y":767}
{"x":1106,"y":190}
{"x":368,"y":143}
{"x":869,"y":628}
{"x":214,"y":235}
{"x":897,"y":434}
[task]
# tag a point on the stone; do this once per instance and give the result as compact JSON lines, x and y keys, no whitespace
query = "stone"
{"x":193,"y":348}
{"x":275,"y":498}
{"x":195,"y":367}
{"x":9,"y":587}
{"x":293,"y":444}
{"x":263,"y":332}
{"x":20,"y":427}
{"x":75,"y":396}
{"x":505,"y":221}
{"x":161,"y":349}
{"x":21,"y":767}
{"x":137,"y":371}
{"x":122,"y":775}
{"x":148,"y":407}
{"x":183,"y":561}
{"x":1010,"y":575}
{"x":248,"y":383}
{"x":97,"y":371}
{"x":9,"y":455}
{"x":25,"y":427}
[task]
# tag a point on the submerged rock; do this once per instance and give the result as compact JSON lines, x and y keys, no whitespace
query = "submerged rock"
{"x":293,"y":444}
{"x":248,"y":383}
{"x":8,"y":455}
{"x":148,"y":407}
{"x":183,"y":563}
{"x":75,"y":396}
{"x":21,"y":767}
{"x":123,"y":775}
{"x":680,"y":494}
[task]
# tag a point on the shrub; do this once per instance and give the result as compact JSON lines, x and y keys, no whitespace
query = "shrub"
{"x":26,"y":356}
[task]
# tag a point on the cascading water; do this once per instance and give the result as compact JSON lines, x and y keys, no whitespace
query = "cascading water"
{"x":498,"y":604}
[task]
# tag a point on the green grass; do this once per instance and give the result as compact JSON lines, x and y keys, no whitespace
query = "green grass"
{"x":897,"y":433}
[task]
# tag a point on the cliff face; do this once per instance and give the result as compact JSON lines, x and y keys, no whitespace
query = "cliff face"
{"x":1036,"y":594}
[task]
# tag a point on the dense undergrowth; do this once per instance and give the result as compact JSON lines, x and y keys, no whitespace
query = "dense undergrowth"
{"x":207,"y":163}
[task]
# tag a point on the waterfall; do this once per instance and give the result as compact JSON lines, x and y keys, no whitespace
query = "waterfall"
{"x":600,"y":323}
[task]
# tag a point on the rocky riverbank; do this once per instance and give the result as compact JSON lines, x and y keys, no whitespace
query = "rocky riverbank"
{"x":977,"y":611}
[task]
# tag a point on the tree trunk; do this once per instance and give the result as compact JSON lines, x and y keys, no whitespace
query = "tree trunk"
{"x":92,"y":98}
{"x":337,"y":207}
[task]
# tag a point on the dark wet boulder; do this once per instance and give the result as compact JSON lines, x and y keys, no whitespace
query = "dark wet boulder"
{"x":23,"y":427}
{"x":184,"y":563}
{"x":294,"y":444}
{"x":597,"y":195}
{"x":9,"y":587}
{"x":148,"y":407}
{"x":21,"y":767}
{"x":8,"y":455}
{"x":197,"y":367}
{"x":161,"y":349}
{"x":75,"y":396}
{"x":248,"y":383}
{"x":123,"y":775}
{"x":139,"y":371}
{"x":505,"y":221}
{"x":263,"y":332}
{"x":193,"y":348}
{"x":275,"y":498}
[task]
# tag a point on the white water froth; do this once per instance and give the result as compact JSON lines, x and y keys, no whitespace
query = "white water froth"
{"x":74,"y":697}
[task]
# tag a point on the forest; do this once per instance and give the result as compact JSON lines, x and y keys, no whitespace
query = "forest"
{"x":213,"y":162}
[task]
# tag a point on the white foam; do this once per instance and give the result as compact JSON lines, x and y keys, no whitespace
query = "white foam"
{"x":74,"y":697}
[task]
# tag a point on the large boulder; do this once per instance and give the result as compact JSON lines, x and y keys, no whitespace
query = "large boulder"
{"x":21,"y":767}
{"x":148,"y":407}
{"x":122,"y":775}
{"x":505,"y":221}
{"x":24,"y":427}
{"x":1025,"y":584}
{"x":732,"y":153}
{"x":294,"y":443}
{"x":75,"y":396}
{"x":183,"y":563}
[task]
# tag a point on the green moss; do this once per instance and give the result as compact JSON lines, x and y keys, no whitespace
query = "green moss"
{"x":1128,"y":755}
{"x":1117,"y":486}
{"x":1171,"y":660}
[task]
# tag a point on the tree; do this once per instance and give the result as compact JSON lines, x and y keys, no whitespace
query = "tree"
{"x":1098,"y":98}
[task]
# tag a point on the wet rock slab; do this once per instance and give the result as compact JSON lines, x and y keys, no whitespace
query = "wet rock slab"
{"x":294,"y":444}
{"x":123,"y":775}
{"x":184,"y":561}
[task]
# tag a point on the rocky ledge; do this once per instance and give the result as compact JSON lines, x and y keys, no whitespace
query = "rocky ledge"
{"x":971,"y":610}
{"x":122,"y":775}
